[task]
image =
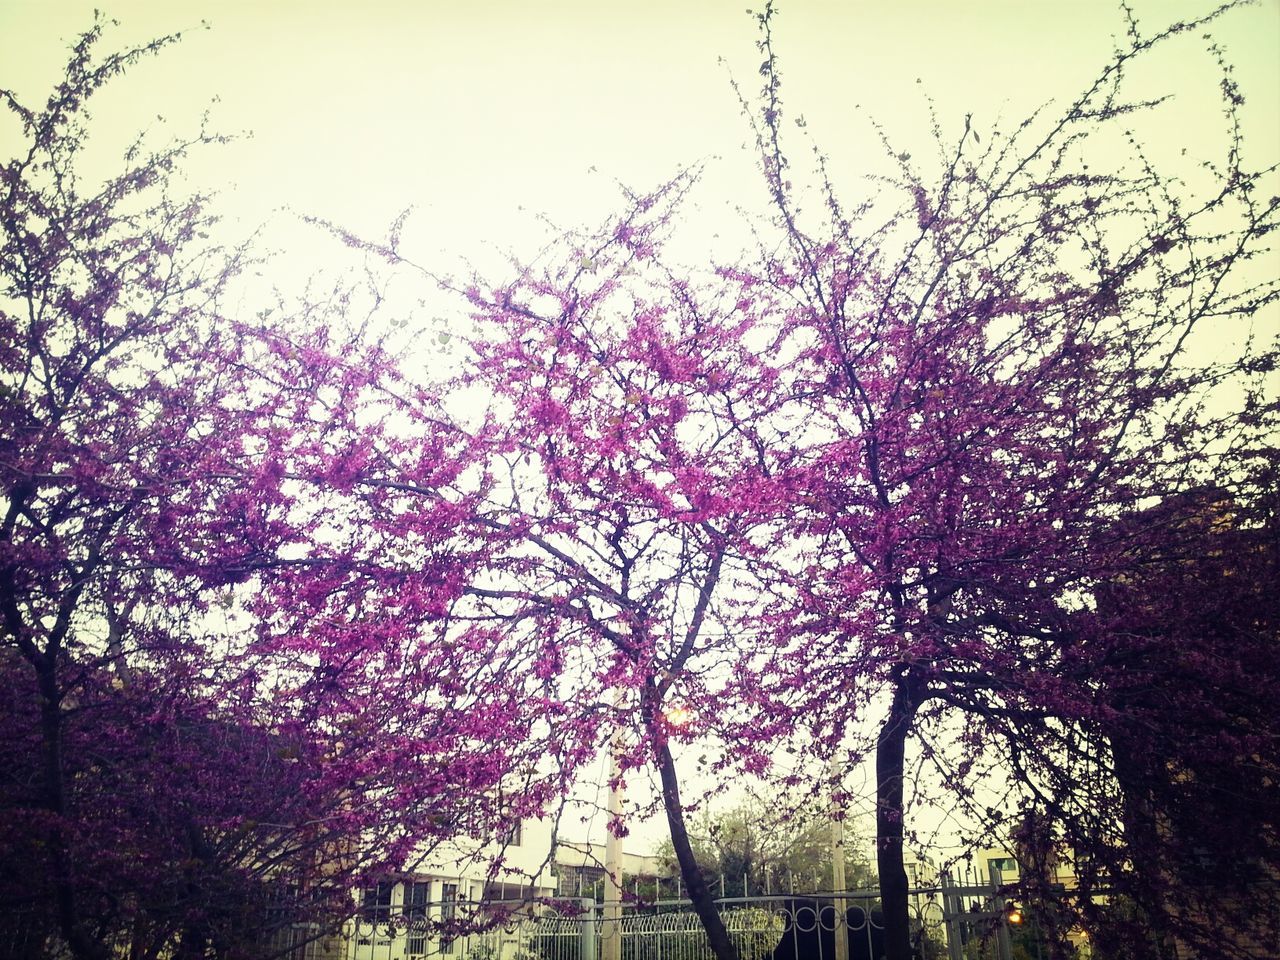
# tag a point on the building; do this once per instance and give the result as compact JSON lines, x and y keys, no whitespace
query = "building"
{"x":580,"y":873}
{"x":407,"y":915}
{"x":1005,"y":870}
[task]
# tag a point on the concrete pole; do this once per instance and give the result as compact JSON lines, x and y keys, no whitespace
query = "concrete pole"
{"x":837,"y":864}
{"x":587,"y":930}
{"x":611,"y":941}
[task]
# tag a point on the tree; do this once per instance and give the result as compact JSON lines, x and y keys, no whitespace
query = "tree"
{"x":992,"y":370}
{"x":1191,"y":743}
{"x":634,"y":503}
{"x":223,"y":621}
{"x":996,"y":373}
{"x":776,"y":847}
{"x":909,"y":431}
{"x":176,"y":813}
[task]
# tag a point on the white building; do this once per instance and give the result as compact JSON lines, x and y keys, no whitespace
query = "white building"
{"x":398,"y":918}
{"x":580,"y":871}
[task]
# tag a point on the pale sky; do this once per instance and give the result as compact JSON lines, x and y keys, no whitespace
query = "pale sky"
{"x":472,"y":109}
{"x":482,"y":112}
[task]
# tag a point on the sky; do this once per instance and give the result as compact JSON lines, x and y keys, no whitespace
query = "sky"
{"x":483,"y":114}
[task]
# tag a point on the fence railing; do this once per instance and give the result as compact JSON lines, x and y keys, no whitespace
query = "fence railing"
{"x":791,"y":927}
{"x":945,"y":922}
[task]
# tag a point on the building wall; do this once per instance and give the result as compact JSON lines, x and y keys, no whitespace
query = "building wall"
{"x":580,"y":872}
{"x":453,"y":881}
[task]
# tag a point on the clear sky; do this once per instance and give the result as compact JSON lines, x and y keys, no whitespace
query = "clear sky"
{"x":482,"y":112}
{"x":473,"y":109}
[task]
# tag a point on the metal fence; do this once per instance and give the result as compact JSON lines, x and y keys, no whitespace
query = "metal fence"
{"x":948,"y":922}
{"x":792,"y":927}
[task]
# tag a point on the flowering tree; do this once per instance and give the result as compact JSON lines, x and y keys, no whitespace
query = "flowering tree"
{"x":637,"y":490}
{"x":995,"y":374}
{"x":274,"y":618}
{"x":222,"y":618}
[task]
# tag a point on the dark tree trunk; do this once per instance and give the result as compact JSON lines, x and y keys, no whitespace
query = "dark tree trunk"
{"x":890,"y":754}
{"x":82,"y":945}
{"x":195,"y":940}
{"x":1150,"y":871}
{"x":704,"y":904}
{"x":78,"y":941}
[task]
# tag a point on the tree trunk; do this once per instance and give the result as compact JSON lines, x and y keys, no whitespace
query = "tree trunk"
{"x":704,"y":904}
{"x":890,"y":753}
{"x":1150,"y":872}
{"x":81,"y":945}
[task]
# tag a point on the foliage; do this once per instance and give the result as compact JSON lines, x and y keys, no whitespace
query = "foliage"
{"x":226,"y":699}
{"x":756,"y":932}
{"x":901,"y":466}
{"x":776,"y":849}
{"x":888,"y":464}
{"x":1028,"y":940}
{"x":1192,"y":743}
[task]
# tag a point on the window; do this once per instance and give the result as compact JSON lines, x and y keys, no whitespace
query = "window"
{"x":448,"y":910}
{"x":416,"y":897}
{"x":375,"y":905}
{"x":514,"y":835}
{"x":1005,"y":866}
{"x":416,"y":893}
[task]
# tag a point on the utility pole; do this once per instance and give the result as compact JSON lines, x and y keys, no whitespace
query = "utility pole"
{"x":611,"y":941}
{"x":837,"y":863}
